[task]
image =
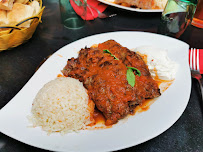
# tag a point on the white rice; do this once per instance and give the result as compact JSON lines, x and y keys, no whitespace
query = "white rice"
{"x":62,"y":105}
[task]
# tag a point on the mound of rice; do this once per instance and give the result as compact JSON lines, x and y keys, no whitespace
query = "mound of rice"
{"x":62,"y":105}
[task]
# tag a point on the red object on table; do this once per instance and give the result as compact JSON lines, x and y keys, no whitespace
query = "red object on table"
{"x":200,"y":60}
{"x":93,"y":6}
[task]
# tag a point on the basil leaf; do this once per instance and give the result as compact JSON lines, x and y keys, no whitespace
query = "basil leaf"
{"x":130,"y":77}
{"x":115,"y":58}
{"x":107,"y":51}
{"x":136,"y":70}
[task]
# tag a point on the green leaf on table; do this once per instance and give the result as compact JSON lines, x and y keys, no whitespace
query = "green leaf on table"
{"x":107,"y":51}
{"x":130,"y":77}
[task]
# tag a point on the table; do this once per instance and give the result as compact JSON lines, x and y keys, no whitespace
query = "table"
{"x":19,"y":64}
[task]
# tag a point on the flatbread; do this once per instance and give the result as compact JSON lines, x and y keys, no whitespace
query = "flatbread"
{"x":35,"y":5}
{"x":21,"y":1}
{"x":3,"y":19}
{"x":19,"y":13}
{"x":6,"y":4}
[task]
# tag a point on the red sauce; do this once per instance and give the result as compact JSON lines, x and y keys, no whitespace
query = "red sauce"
{"x":60,"y":55}
{"x":60,"y":75}
{"x":98,"y":117}
{"x":148,"y":102}
{"x":114,"y":82}
{"x":99,"y":121}
{"x":144,"y":106}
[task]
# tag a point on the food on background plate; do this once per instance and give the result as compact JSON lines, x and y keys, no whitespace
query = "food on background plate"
{"x":62,"y":105}
{"x":143,"y":4}
{"x":116,"y":78}
{"x":18,"y":13}
{"x":158,"y":62}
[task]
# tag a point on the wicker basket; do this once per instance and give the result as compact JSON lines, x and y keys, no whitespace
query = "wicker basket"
{"x":14,"y":36}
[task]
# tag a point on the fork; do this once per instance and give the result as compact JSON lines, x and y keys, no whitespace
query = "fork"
{"x":194,"y":67}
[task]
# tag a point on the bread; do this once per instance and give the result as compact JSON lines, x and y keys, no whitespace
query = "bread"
{"x":19,"y":13}
{"x":21,"y":1}
{"x":35,"y":5}
{"x":6,"y":4}
{"x":3,"y":19}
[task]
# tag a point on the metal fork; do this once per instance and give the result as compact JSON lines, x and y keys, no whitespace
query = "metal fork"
{"x":194,"y":66}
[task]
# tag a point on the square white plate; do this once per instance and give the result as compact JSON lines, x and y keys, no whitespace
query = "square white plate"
{"x":135,"y":130}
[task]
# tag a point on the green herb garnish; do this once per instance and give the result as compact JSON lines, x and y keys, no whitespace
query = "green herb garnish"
{"x":136,"y":70}
{"x":107,"y":51}
{"x":130,"y":71}
{"x":131,"y":76}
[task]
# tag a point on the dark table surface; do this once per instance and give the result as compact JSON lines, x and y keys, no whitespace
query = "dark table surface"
{"x":19,"y":64}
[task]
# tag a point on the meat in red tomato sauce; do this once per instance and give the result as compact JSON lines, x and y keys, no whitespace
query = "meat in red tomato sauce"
{"x":106,"y":81}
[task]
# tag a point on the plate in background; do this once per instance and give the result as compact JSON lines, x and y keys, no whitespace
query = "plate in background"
{"x":130,"y":8}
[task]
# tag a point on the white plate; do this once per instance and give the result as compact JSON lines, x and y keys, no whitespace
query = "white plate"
{"x":130,"y":8}
{"x":135,"y":130}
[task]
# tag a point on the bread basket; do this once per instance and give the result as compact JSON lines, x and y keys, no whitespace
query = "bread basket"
{"x":13,"y":36}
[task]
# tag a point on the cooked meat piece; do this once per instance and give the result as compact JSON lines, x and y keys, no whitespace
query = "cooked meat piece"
{"x":132,"y":59}
{"x":144,"y":4}
{"x":106,"y":82}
